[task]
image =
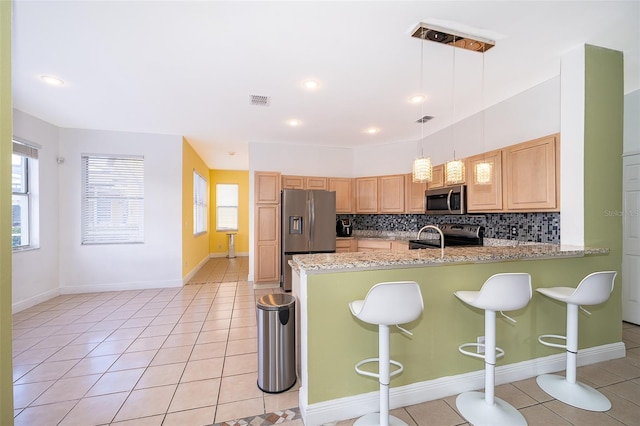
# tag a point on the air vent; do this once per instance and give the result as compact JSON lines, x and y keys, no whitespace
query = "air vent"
{"x":424,"y":119}
{"x":453,"y":38}
{"x":260,"y":100}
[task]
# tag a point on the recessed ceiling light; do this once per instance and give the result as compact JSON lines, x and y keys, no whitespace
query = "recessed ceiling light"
{"x":372,"y":130}
{"x":417,"y":99}
{"x":294,"y":122}
{"x":311,"y":84}
{"x":54,"y":81}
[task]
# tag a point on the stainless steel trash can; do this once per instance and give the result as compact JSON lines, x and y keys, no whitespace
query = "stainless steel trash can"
{"x":276,"y":342}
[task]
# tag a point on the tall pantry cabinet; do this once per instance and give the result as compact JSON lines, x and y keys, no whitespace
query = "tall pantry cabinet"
{"x":267,"y":228}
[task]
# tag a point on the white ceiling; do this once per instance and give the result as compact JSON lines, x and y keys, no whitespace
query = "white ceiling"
{"x":189,"y":68}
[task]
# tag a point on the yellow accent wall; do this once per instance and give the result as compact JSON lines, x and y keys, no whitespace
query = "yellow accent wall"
{"x":6,"y":132}
{"x":195,"y":248}
{"x":218,"y":240}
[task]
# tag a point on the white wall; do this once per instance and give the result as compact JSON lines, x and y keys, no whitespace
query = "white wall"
{"x":528,"y":115}
{"x":157,"y":262}
{"x":572,"y":147}
{"x":35,"y":272}
{"x":631,"y":135}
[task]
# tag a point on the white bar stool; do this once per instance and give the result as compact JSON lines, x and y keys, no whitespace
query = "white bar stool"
{"x":388,"y":303}
{"x":501,"y":292}
{"x":594,"y":289}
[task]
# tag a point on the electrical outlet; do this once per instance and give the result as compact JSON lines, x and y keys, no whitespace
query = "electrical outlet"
{"x":514,"y":231}
{"x":480,"y":341}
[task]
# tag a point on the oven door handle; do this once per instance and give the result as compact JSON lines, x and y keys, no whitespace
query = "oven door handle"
{"x":449,"y":200}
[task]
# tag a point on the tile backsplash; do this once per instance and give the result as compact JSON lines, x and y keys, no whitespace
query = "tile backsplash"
{"x":534,"y":227}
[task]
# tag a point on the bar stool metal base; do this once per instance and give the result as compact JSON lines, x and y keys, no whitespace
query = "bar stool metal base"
{"x":373,"y":419}
{"x":575,"y":394}
{"x":475,"y":410}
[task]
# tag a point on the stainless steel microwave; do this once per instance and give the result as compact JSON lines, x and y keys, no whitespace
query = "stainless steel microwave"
{"x":448,"y":200}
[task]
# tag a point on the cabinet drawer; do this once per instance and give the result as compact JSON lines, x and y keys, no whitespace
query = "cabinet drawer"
{"x":374,"y":245}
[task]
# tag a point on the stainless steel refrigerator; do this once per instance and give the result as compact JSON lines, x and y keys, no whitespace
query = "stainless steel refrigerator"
{"x":308,"y":226}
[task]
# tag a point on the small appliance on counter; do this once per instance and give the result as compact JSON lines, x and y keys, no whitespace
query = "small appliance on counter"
{"x":343,"y":228}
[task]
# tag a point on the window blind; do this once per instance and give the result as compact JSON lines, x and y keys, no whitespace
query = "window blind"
{"x":112,"y":199}
{"x":199,"y":204}
{"x":226,"y":207}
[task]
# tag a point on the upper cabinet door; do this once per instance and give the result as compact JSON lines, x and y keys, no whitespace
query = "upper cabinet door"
{"x":315,"y":183}
{"x":437,"y":177}
{"x":292,"y":182}
{"x":267,"y":187}
{"x":367,"y":195}
{"x":485,"y":197}
{"x":343,"y":188}
{"x":414,"y":195}
{"x":391,"y":194}
{"x":531,"y":175}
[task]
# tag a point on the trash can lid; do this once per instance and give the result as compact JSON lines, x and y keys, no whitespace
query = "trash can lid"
{"x":276,"y":301}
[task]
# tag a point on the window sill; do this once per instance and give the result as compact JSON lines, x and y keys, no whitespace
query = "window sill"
{"x":26,"y":248}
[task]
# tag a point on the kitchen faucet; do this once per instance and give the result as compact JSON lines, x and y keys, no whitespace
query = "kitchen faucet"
{"x":441,"y":237}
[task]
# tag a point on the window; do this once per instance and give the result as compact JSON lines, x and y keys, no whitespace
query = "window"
{"x":24,"y":202}
{"x":226,"y":207}
{"x":112,"y":199}
{"x":199,"y":204}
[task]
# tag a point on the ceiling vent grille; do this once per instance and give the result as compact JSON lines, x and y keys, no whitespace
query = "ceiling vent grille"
{"x":260,"y":100}
{"x":451,"y":37}
{"x":424,"y":119}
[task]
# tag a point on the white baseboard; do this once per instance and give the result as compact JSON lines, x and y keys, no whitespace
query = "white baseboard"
{"x":416,"y":393}
{"x":98,"y":288}
{"x":33,"y":301}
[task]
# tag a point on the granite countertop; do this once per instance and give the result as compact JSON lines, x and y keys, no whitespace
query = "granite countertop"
{"x":496,"y":252}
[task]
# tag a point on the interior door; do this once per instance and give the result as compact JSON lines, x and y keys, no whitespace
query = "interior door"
{"x":631,"y":240}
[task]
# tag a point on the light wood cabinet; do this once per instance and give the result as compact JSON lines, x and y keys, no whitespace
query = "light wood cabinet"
{"x":532,"y":176}
{"x":345,"y":245}
{"x":267,"y":265}
{"x":414,"y":195}
{"x":374,"y":245}
{"x":267,"y":187}
{"x":343,"y":188}
{"x":304,"y":182}
{"x":315,"y":183}
{"x":366,"y":195}
{"x":437,"y":177}
{"x":485,"y":197}
{"x":399,"y":245}
{"x":391,"y":196}
{"x":292,"y":182}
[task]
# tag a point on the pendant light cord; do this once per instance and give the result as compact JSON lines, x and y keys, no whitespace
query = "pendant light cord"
{"x":422,"y":95}
{"x":453,"y":101}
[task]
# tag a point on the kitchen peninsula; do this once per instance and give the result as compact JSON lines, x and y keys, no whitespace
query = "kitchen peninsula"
{"x":331,"y":341}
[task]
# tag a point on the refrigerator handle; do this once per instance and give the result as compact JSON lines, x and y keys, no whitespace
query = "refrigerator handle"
{"x":312,"y":218}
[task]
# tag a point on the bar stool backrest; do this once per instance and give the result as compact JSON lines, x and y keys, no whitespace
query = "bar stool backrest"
{"x":594,"y":289}
{"x":504,"y":292}
{"x":391,"y":303}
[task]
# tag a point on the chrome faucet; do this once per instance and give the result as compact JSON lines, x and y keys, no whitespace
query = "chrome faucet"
{"x":441,"y":237}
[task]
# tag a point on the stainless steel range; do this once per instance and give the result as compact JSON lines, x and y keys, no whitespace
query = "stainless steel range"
{"x":454,"y":235}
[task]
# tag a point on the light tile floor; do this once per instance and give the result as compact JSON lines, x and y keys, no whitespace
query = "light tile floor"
{"x":188,"y":356}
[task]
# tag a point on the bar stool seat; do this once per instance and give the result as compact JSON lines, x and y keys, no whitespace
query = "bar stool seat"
{"x":594,"y":289}
{"x":386,"y":304}
{"x":501,"y":292}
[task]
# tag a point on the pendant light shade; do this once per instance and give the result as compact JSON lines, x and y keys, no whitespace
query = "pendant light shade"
{"x":454,"y":172}
{"x":483,"y":173}
{"x":422,"y":171}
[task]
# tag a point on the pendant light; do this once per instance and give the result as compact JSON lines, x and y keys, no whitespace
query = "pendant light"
{"x":483,"y":172}
{"x":422,"y":170}
{"x":454,"y":169}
